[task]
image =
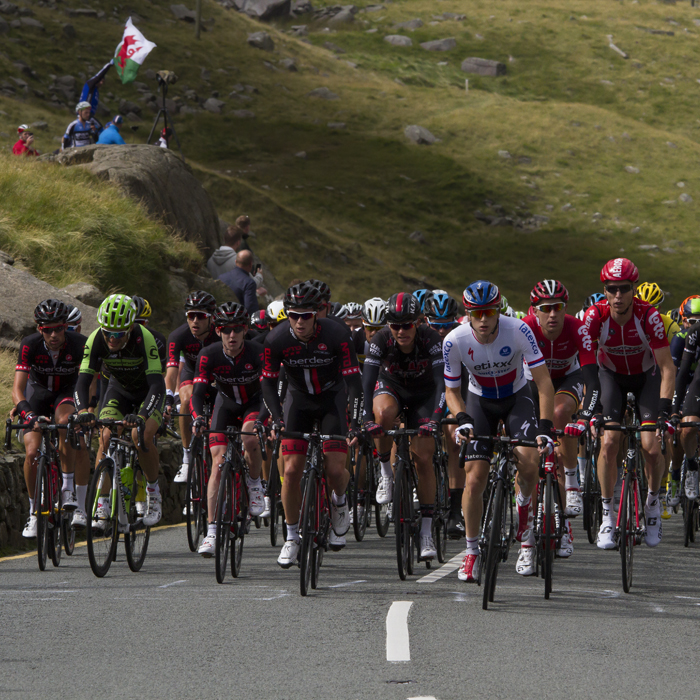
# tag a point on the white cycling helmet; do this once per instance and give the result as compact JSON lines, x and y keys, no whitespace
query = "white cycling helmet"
{"x":82,"y":105}
{"x":275,"y":312}
{"x":354,"y":309}
{"x":374,"y":312}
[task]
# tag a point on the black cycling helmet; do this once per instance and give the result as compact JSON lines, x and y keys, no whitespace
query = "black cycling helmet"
{"x":303,"y":296}
{"x":592,"y":299}
{"x":231,"y":313}
{"x":440,"y":307}
{"x":402,"y":308}
{"x":323,"y":288}
{"x":51,"y":311}
{"x":338,"y":310}
{"x":259,"y":320}
{"x":200,"y":300}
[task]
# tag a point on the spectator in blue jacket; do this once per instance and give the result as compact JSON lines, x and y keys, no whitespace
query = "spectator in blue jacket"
{"x":111,"y":136}
{"x":241,"y":281}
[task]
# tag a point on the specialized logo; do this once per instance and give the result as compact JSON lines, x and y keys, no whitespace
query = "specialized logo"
{"x":322,"y":347}
{"x":471,"y":353}
{"x":505,"y":351}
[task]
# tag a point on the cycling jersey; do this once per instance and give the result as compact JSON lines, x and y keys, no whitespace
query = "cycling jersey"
{"x":571,"y":349}
{"x":687,"y":374}
{"x":670,"y":326}
{"x":237,"y":378}
{"x":496,"y":369}
{"x":626,"y":349}
{"x":183,"y":344}
{"x":677,"y":347}
{"x":80,"y":133}
{"x":53,"y":371}
{"x":361,"y":346}
{"x":135,"y":369}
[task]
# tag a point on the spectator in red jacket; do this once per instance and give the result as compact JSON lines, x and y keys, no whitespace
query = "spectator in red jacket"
{"x":25,"y":142}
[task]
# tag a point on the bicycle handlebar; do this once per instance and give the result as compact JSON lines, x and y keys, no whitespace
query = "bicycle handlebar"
{"x":308,"y":436}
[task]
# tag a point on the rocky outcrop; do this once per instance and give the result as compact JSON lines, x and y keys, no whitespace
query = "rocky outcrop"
{"x":160,"y":180}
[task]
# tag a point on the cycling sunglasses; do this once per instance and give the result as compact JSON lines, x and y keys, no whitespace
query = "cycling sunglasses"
{"x":49,"y":330}
{"x":548,"y":308}
{"x":197,"y":315}
{"x":372,"y":328}
{"x":114,"y":335}
{"x":401,"y":326}
{"x":301,"y":316}
{"x":615,"y":288}
{"x":484,"y":313}
{"x":227,"y":330}
{"x":442,"y":324}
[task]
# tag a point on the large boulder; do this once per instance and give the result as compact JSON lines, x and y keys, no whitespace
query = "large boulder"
{"x":87,"y":293}
{"x":267,"y":9}
{"x":160,"y":180}
{"x":20,"y":292}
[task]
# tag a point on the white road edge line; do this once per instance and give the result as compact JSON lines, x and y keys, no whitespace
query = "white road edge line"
{"x":445,"y":570}
{"x":347,"y":583}
{"x":397,"y":643}
{"x":423,"y":697}
{"x":174,"y":583}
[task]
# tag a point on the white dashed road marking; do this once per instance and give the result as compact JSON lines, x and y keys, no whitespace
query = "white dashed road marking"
{"x":445,"y":570}
{"x":397,"y":643}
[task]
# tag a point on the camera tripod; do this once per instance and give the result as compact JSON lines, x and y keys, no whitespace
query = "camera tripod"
{"x":164,"y":79}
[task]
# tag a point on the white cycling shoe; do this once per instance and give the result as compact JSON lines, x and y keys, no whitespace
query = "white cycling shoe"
{"x":691,"y":485}
{"x":79,"y":521}
{"x":340,"y":518}
{"x":574,"y":503}
{"x":336,"y":542}
{"x":102,"y":515}
{"x":256,"y":497}
{"x":385,"y":490}
{"x":566,"y":545}
{"x":653,"y":521}
{"x":208,"y":547}
{"x":155,"y":510}
{"x":70,"y":502}
{"x":289,"y":554}
{"x":30,"y":528}
{"x":525,"y":565}
{"x":427,"y":547}
{"x":606,"y":537}
{"x":266,"y":511}
{"x":183,"y":471}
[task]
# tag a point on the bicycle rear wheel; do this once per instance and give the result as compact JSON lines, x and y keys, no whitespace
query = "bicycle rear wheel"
{"x":627,"y":531}
{"x":308,"y":532}
{"x":323,"y":510}
{"x":275,"y":505}
{"x":361,"y":496}
{"x":492,"y":525}
{"x":195,"y":496}
{"x":102,"y":533}
{"x":56,"y":517}
{"x":403,"y":521}
{"x":240,"y":515}
{"x":548,"y":534}
{"x":224,"y":520}
{"x":42,"y":504}
{"x":68,"y":536}
{"x":136,"y":539}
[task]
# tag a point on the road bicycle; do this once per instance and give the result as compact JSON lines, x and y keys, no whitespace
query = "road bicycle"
{"x":365,"y":479}
{"x":274,"y":492}
{"x":196,"y":506}
{"x":689,"y":507}
{"x":590,"y":488}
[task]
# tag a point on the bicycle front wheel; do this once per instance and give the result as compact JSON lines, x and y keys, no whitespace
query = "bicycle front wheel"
{"x":42,"y":503}
{"x":403,"y":521}
{"x":548,"y":534}
{"x":627,"y":531}
{"x":195,"y":497}
{"x":56,"y":516}
{"x":240,"y":514}
{"x":68,"y":535}
{"x":361,"y":496}
{"x":136,"y":539}
{"x":493,"y":525}
{"x":224,"y":520}
{"x":308,"y":532}
{"x":102,"y":531}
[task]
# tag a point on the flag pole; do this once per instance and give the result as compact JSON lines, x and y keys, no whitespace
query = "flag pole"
{"x":198,"y":19}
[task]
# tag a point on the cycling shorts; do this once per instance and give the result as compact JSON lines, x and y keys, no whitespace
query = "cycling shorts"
{"x":691,"y":403}
{"x":417,"y":408}
{"x":614,"y":388}
{"x":517,"y":413}
{"x":228,"y":413}
{"x":186,"y":375}
{"x":570,"y":384}
{"x":45,"y":402}
{"x":117,"y":403}
{"x":300,"y":412}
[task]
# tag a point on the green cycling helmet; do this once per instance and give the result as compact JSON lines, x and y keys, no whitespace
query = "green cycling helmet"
{"x":116,"y":313}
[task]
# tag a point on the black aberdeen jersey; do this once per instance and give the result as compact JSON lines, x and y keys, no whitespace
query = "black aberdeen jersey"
{"x":58,"y":375}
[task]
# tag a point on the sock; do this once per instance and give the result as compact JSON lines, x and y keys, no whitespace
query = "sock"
{"x":338,"y":500}
{"x":472,"y":545}
{"x":571,"y":480}
{"x":211,"y":530}
{"x":607,"y":510}
{"x":253,"y":483}
{"x":653,"y":499}
{"x":81,"y":493}
{"x":31,"y":506}
{"x":426,"y":523}
{"x":676,"y":474}
{"x":386,"y":465}
{"x":186,"y":455}
{"x":581,"y":464}
{"x":456,"y":501}
{"x":522,"y":501}
{"x":692,"y":464}
{"x":153,"y":488}
{"x":293,"y":532}
{"x":68,"y":481}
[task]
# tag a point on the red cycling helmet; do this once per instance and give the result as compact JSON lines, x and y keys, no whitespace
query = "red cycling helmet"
{"x":619,"y":269}
{"x":548,"y":289}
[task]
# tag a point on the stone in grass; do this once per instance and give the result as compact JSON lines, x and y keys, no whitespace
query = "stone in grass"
{"x":420,"y":135}
{"x":243,"y":114}
{"x":411,"y":25}
{"x":213,"y":105}
{"x":418,"y":237}
{"x":483,"y":66}
{"x":439,"y":45}
{"x":346,"y":15}
{"x":323,"y":93}
{"x":333,"y":47}
{"x":289,"y":64}
{"x":183,"y":13}
{"x":631,"y":169}
{"x":685,"y":197}
{"x":398,"y":40}
{"x":301,"y":154}
{"x":648,"y":247}
{"x":261,"y":40}
{"x":336,"y":125}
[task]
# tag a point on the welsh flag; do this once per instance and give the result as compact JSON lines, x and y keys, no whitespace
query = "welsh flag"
{"x":131,"y":52}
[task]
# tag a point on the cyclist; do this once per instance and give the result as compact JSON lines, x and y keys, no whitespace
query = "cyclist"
{"x":184,"y":345}
{"x":494,"y":348}
{"x":82,"y":131}
{"x":566,"y":346}
{"x":403,"y":373}
{"x":354,"y":318}
{"x":373,"y":320}
{"x":75,"y":319}
{"x":136,"y":389}
{"x":259,"y":326}
{"x":441,"y":312}
{"x":588,"y":302}
{"x":633,"y":356}
{"x":318,"y":358}
{"x":143,"y":317}
{"x":422,"y":295}
{"x":653,"y":294}
{"x":46,"y":372}
{"x":235,"y":365}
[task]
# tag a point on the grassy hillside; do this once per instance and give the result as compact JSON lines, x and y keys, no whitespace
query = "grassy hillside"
{"x":573,"y":116}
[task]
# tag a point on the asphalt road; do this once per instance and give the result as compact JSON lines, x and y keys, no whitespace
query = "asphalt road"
{"x":170,"y":631}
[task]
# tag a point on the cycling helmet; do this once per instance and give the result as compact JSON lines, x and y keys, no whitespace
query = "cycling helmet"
{"x":259,"y":320}
{"x":143,"y":308}
{"x":520,"y":314}
{"x":116,"y":313}
{"x":593,"y":299}
{"x":690,"y":307}
{"x":354,"y":309}
{"x":82,"y":105}
{"x":619,"y":269}
{"x":402,"y":308}
{"x":230,"y":313}
{"x":323,"y":288}
{"x":338,"y":310}
{"x":675,"y":315}
{"x":441,"y":306}
{"x":51,"y":311}
{"x":200,"y":301}
{"x":303,"y":296}
{"x":276,"y":312}
{"x":481,"y":294}
{"x":75,"y":317}
{"x":422,"y":295}
{"x":439,"y":291}
{"x":651,"y":293}
{"x":548,"y":289}
{"x":374,"y":312}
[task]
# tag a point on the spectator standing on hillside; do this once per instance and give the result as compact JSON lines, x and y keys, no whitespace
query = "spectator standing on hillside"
{"x":224,"y":258}
{"x":91,"y":90}
{"x":84,"y":130}
{"x":241,"y":281}
{"x":25,"y":142}
{"x":111,"y":136}
{"x":243,"y":225}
